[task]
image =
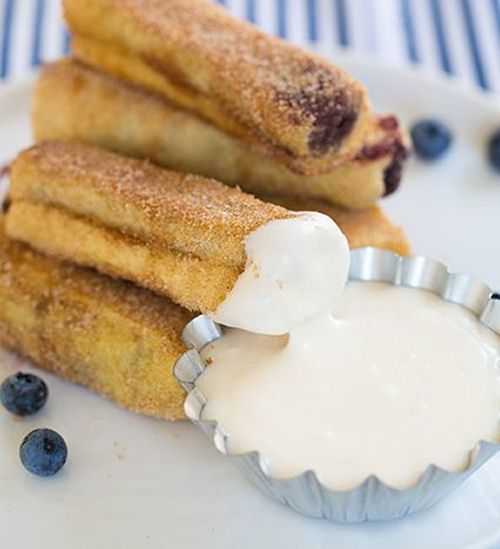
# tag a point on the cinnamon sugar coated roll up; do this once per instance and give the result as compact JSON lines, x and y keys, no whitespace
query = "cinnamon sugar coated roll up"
{"x":108,"y":335}
{"x":282,"y":101}
{"x":210,"y":248}
{"x":74,"y":101}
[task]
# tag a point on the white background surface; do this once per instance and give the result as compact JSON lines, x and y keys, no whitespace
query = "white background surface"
{"x":134,"y":482}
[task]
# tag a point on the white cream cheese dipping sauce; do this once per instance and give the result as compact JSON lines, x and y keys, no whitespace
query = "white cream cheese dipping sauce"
{"x":397,"y":380}
{"x":296,"y":268}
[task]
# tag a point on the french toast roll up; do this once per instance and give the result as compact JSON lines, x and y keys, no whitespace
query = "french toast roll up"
{"x":180,"y":235}
{"x":75,"y":102}
{"x":289,"y":104}
{"x":117,"y":339}
{"x":209,"y":247}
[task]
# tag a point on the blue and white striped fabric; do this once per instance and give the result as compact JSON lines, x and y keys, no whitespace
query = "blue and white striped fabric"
{"x":460,"y":37}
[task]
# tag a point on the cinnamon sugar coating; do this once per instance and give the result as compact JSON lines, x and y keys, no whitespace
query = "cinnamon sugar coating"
{"x":180,"y":235}
{"x":197,"y":284}
{"x":110,"y":336}
{"x":74,"y":101}
{"x":181,"y":212}
{"x":288,"y":103}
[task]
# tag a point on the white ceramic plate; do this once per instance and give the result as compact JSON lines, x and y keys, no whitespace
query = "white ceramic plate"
{"x":135,"y":482}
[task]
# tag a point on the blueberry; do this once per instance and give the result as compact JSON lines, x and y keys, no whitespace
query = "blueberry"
{"x":43,"y":452}
{"x":494,"y":150}
{"x":23,"y":394}
{"x":431,"y":139}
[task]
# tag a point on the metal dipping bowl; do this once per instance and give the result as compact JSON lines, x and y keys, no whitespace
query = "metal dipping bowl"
{"x":371,"y":500}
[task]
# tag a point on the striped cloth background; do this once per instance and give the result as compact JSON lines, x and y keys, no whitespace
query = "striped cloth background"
{"x":460,"y":37}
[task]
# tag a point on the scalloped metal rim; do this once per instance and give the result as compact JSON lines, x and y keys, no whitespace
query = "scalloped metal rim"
{"x":372,"y":499}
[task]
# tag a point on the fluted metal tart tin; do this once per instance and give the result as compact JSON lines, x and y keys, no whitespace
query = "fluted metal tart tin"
{"x":372,"y":499}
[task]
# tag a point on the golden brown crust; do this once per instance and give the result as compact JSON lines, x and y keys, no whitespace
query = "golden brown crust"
{"x":117,"y":339}
{"x":75,"y":102}
{"x":178,"y":212}
{"x":197,"y":284}
{"x":368,"y":227}
{"x":180,"y":235}
{"x":295,"y":105}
